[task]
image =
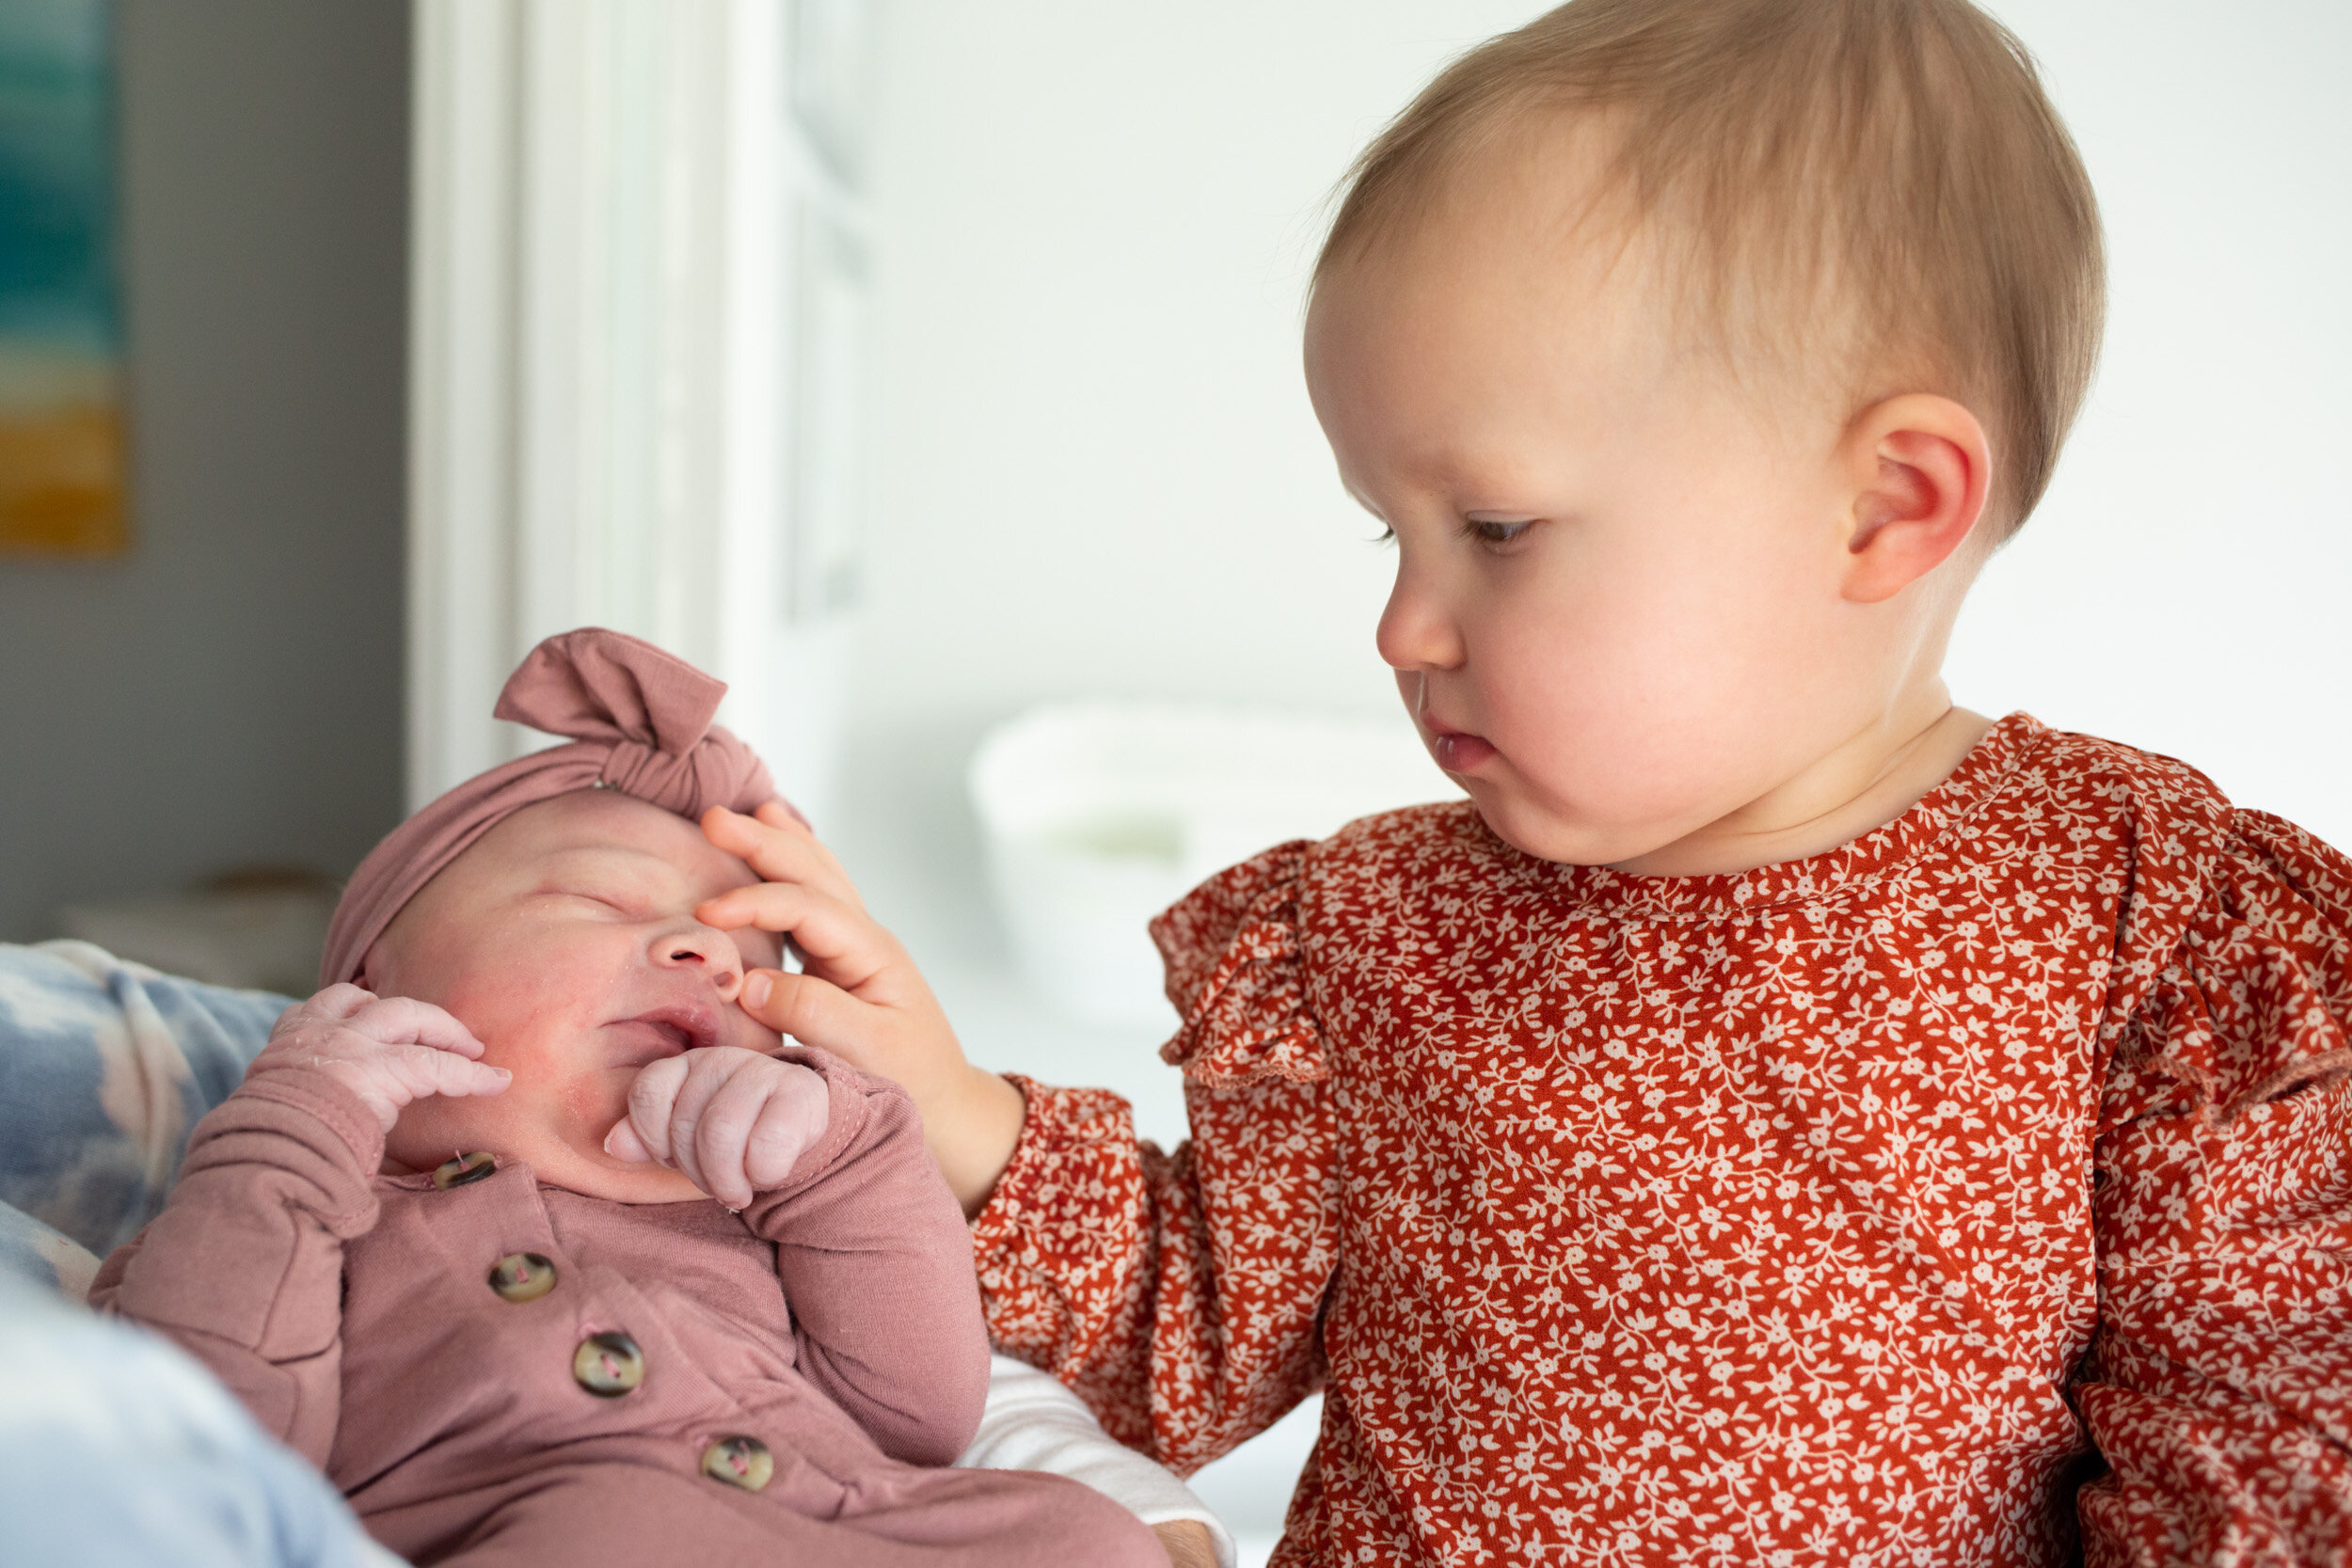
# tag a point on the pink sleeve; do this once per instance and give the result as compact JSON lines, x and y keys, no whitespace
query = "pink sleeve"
{"x":2219,"y":1388}
{"x":244,"y":1267}
{"x":876,"y":1265}
{"x":1181,"y":1294}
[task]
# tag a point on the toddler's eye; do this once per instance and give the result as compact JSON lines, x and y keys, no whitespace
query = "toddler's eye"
{"x":1494,"y":531}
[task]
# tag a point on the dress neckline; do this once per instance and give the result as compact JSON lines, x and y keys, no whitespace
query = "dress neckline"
{"x":1963,"y":794}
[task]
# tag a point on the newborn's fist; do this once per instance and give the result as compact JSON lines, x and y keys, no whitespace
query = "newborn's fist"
{"x":731,"y":1121}
{"x":389,"y":1051}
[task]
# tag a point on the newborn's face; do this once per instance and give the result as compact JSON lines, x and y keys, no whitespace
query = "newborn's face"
{"x":565,"y":939}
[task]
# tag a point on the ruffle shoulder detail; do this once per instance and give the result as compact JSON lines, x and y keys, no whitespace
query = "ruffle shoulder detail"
{"x":2252,"y":1001}
{"x":1238,"y":976}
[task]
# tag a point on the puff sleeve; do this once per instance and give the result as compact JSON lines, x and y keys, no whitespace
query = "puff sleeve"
{"x":2218,"y":1384}
{"x":1181,"y":1294}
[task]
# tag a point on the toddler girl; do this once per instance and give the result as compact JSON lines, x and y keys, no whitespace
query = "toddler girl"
{"x":1780,"y":1116}
{"x":453,"y":1237}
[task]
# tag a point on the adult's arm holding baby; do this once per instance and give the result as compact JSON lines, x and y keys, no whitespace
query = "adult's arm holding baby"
{"x":244,"y":1267}
{"x":1150,"y":1283}
{"x":2219,"y":1387}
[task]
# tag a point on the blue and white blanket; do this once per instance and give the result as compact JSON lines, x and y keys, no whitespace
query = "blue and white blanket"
{"x":116,"y":1449}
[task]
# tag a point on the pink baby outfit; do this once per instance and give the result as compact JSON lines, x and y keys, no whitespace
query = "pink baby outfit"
{"x":835,"y":1323}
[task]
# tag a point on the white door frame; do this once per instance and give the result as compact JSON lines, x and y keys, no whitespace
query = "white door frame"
{"x":600,"y":378}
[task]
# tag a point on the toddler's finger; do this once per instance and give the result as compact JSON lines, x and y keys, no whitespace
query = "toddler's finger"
{"x":785,"y":815}
{"x":839,"y":941}
{"x":808,"y":1007}
{"x":780,"y":849}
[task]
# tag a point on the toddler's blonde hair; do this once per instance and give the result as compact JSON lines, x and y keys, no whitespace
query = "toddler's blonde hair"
{"x":1892,"y":167}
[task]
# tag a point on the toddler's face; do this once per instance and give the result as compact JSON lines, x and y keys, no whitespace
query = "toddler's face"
{"x":1618,"y":613}
{"x":565,"y":939}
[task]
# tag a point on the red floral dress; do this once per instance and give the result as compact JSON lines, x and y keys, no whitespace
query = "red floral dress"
{"x":1977,"y":1193}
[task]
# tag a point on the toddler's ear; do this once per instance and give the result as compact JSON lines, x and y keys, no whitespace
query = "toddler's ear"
{"x":1920,"y":469}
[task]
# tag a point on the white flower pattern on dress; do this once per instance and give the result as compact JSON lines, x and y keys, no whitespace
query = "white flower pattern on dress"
{"x":1977,"y":1193}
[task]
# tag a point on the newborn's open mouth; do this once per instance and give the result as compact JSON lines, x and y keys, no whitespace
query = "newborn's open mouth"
{"x":670,"y":1032}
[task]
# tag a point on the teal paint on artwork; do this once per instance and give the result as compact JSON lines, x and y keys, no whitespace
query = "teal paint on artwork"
{"x":58,"y":200}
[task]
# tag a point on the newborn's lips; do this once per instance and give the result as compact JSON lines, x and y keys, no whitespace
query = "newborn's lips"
{"x":673,"y":1031}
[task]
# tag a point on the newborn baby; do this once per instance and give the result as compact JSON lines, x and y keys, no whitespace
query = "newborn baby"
{"x":455,"y":1240}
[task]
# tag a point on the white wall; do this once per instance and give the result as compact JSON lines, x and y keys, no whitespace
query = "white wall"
{"x":1099,"y":472}
{"x":2186,"y":585}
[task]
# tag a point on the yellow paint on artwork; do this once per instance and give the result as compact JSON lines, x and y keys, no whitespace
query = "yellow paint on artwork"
{"x":61,"y":482}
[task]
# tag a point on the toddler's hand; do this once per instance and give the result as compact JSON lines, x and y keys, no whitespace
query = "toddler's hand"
{"x":861,"y":996}
{"x":731,"y":1121}
{"x":389,"y":1051}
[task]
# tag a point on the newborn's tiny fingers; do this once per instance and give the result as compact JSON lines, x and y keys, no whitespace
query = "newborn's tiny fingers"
{"x":622,"y":1143}
{"x":705,"y":1074}
{"x":423,"y":1071}
{"x":405,"y":1021}
{"x":723,"y":1130}
{"x":650,"y":1097}
{"x":338,"y":1001}
{"x":790,"y":1121}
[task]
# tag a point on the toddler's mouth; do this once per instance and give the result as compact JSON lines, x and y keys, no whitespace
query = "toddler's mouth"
{"x":1456,"y":751}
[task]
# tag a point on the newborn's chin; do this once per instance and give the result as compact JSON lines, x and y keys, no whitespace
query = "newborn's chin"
{"x":599,"y":1175}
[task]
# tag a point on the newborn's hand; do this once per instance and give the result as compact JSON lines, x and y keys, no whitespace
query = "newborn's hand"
{"x":389,"y":1051}
{"x":731,"y":1121}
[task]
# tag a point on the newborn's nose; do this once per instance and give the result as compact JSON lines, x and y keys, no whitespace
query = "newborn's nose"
{"x":704,"y":948}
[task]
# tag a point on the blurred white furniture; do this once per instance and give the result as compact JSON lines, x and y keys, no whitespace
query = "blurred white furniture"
{"x":1095,"y":816}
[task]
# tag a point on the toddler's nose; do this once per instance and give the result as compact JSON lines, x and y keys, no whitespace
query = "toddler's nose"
{"x":704,"y":948}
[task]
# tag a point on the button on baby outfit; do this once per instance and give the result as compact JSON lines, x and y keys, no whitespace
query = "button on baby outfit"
{"x":743,"y":1462}
{"x":609,"y":1364}
{"x":521,"y":1276}
{"x":465,"y":1168}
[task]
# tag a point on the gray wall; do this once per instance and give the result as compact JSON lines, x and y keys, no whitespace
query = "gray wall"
{"x":231,"y":692}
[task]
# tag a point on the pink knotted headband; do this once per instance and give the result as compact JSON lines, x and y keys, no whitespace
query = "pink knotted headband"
{"x":640,"y":723}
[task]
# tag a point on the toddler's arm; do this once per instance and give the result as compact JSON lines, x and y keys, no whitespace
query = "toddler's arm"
{"x":244,"y":1267}
{"x":2219,"y":1387}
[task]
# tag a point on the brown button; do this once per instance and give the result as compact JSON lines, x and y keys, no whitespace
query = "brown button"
{"x":609,"y":1364}
{"x":521,"y":1276}
{"x":465,"y":1168}
{"x":743,"y":1462}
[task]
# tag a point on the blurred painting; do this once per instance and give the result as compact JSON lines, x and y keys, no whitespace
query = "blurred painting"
{"x":61,"y":430}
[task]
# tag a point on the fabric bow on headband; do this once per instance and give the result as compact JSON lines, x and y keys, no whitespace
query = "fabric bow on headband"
{"x":639,"y":721}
